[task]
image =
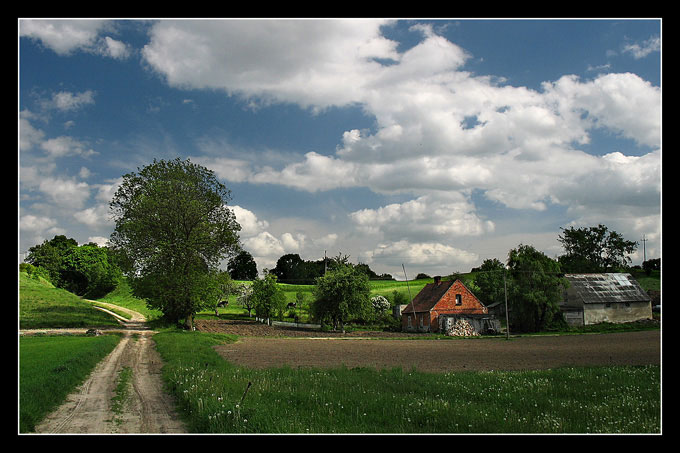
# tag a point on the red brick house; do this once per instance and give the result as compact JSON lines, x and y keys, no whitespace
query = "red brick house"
{"x":436,"y":299}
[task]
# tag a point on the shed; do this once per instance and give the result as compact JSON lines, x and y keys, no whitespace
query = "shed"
{"x":608,"y":297}
{"x":443,"y":299}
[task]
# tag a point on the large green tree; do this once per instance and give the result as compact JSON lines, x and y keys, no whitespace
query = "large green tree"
{"x":49,"y":256}
{"x":341,"y":294}
{"x":594,"y":249}
{"x":489,"y":281}
{"x":242,"y":266}
{"x":174,"y":228}
{"x":87,"y":270}
{"x":535,"y":290}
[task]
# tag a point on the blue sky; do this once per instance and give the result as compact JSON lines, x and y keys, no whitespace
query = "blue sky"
{"x":434,"y":144}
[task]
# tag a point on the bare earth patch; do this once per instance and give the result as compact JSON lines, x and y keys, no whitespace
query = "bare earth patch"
{"x":264,"y":346}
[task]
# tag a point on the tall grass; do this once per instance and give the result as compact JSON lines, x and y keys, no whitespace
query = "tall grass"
{"x":41,"y":305}
{"x":50,"y":367}
{"x":216,"y":397}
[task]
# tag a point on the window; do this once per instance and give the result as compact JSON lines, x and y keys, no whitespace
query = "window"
{"x":459,"y":299}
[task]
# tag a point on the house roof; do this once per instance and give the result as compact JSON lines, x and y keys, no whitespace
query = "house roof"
{"x":428,"y":296}
{"x":606,"y":288}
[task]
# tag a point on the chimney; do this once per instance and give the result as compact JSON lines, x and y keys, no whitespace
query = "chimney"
{"x":437,"y":280}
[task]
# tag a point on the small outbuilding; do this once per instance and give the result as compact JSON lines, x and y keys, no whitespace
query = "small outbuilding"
{"x":610,"y":297}
{"x":443,"y":303}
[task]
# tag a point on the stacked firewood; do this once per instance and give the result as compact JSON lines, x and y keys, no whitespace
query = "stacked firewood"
{"x":461,"y":328}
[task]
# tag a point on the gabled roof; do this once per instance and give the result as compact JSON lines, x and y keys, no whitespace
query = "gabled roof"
{"x":606,"y":288}
{"x":428,"y":296}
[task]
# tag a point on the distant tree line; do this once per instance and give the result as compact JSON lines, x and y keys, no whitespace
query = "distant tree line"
{"x":292,"y":269}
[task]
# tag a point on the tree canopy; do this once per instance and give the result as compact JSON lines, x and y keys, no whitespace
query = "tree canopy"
{"x":343,"y":292}
{"x":87,"y":270}
{"x":242,"y":266}
{"x":535,"y":289}
{"x":173,"y":226}
{"x":594,"y":249}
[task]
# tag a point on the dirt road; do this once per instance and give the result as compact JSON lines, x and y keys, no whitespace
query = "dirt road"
{"x":147,"y":409}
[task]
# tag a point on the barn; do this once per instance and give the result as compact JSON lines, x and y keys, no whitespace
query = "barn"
{"x":441,"y":303}
{"x":610,"y":297}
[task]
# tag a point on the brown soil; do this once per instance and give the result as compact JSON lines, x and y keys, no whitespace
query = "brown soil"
{"x":262,"y":346}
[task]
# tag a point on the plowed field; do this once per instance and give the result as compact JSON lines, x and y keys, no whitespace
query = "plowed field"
{"x":262,"y":346}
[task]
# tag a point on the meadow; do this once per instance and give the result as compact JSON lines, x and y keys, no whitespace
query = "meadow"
{"x":219,"y":397}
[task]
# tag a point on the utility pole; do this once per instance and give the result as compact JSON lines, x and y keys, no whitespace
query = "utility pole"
{"x":644,"y":248}
{"x":415,"y":322}
{"x":507,"y":322}
{"x":325,"y":266}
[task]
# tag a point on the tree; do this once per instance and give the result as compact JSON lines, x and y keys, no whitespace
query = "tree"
{"x":290,"y":268}
{"x":594,"y":249}
{"x":89,"y":271}
{"x":535,"y":290}
{"x":242,"y":266}
{"x":222,"y":286}
{"x":489,"y":281}
{"x":267,"y":297}
{"x":49,"y":256}
{"x":245,"y":296}
{"x":342,"y":293}
{"x":173,"y":226}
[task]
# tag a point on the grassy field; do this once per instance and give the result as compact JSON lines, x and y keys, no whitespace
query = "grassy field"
{"x":41,"y":305}
{"x":218,"y":397}
{"x":50,"y":367}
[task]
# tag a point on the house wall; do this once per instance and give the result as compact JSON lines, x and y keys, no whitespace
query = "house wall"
{"x":616,"y":312}
{"x":420,"y":322}
{"x":446,"y":305}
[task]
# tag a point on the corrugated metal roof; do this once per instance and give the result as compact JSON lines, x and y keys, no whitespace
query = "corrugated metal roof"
{"x":606,"y":288}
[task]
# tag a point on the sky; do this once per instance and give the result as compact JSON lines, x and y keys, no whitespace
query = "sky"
{"x":408,"y":144}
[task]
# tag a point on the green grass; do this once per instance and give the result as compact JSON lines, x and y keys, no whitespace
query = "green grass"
{"x":122,"y":296}
{"x":215,"y":397}
{"x":50,"y":367}
{"x":41,"y":305}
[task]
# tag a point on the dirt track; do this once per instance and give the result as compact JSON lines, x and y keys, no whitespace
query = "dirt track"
{"x":314,"y":349}
{"x":148,"y":408}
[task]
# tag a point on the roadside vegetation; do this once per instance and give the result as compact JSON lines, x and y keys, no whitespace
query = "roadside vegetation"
{"x":50,"y":367}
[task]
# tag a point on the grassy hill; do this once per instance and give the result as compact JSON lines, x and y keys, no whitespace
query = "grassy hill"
{"x":41,"y":305}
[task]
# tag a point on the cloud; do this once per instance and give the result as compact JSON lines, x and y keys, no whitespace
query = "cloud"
{"x":35,"y":223}
{"x":66,"y":37}
{"x":317,"y":63}
{"x":267,"y":247}
{"x":65,"y":193}
{"x":67,"y":101}
{"x":427,"y":217}
{"x":95,"y":216}
{"x":425,"y":256}
{"x":66,"y":146}
{"x":653,"y":44}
